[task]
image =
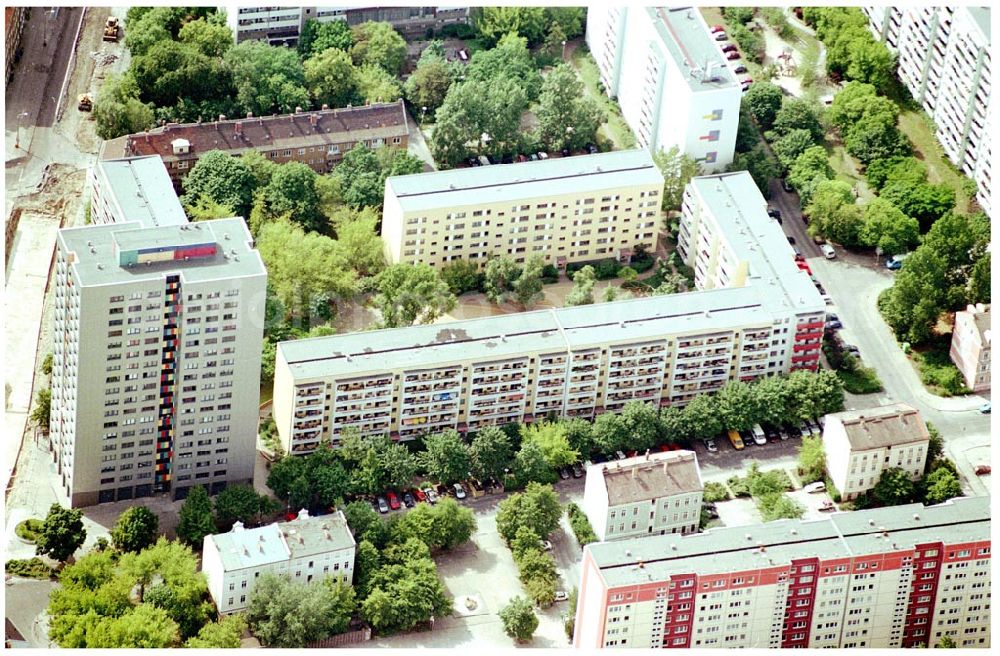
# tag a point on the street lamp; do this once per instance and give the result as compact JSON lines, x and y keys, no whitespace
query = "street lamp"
{"x":423,"y":110}
{"x":17,"y":137}
{"x":564,"y":50}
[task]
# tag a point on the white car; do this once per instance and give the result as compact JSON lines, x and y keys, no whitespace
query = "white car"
{"x":759,"y":438}
{"x":546,"y":545}
{"x":812,"y":488}
{"x":710,"y":445}
{"x":561,"y":595}
{"x":828,"y":251}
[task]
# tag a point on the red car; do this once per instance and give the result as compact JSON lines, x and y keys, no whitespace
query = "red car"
{"x":746,"y":80}
{"x":419,"y":494}
{"x":630,"y":454}
{"x":289,"y":516}
{"x":804,"y":267}
{"x":733,"y":55}
{"x":393,"y":500}
{"x":799,"y":258}
{"x":717,"y":28}
{"x":982,"y":470}
{"x":729,"y":48}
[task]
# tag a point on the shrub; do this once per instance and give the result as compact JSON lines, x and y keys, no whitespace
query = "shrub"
{"x":578,"y":521}
{"x":939,"y":374}
{"x":550,"y":274}
{"x":643,"y":265}
{"x":739,"y":486}
{"x":776,"y":505}
{"x":607,"y":269}
{"x":862,"y":380}
{"x":716,"y":492}
{"x":32,"y":568}
{"x":28,"y":529}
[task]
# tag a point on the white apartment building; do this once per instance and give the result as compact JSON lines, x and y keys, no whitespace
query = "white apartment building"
{"x":971,"y":345}
{"x":904,"y":576}
{"x":944,"y":60}
{"x":569,"y":209}
{"x":304,"y":549}
{"x":282,"y":25}
{"x":670,"y":79}
{"x":861,"y":444}
{"x":572,"y":361}
{"x":156,"y":344}
{"x":134,"y":189}
{"x":651,"y":494}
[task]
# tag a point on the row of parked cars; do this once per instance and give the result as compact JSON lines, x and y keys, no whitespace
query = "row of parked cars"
{"x":762,"y":434}
{"x":510,"y":158}
{"x":732,"y":54}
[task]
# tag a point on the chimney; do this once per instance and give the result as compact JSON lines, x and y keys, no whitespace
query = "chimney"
{"x":298,"y":110}
{"x":303,"y":514}
{"x":313,"y":119}
{"x":222,"y":117}
{"x":249,"y":114}
{"x":237,"y":527}
{"x":325,"y":106}
{"x":239,"y":128}
{"x":647,"y":454}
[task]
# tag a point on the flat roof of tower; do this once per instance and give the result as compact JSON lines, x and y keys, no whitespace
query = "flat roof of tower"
{"x":144,"y":191}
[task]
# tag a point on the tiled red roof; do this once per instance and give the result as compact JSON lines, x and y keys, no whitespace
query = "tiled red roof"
{"x":268,"y":132}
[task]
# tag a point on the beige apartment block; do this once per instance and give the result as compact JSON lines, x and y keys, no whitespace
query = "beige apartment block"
{"x":156,"y":358}
{"x":569,"y":209}
{"x":572,"y":361}
{"x":650,"y":494}
{"x":970,"y":346}
{"x":861,"y":444}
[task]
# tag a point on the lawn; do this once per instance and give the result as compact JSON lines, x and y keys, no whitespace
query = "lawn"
{"x":845,"y":169}
{"x":917,"y":126}
{"x":615,"y":128}
{"x":937,"y":372}
{"x":266,"y":392}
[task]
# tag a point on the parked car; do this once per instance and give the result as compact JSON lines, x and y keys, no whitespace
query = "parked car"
{"x":773,"y":213}
{"x":745,"y":88}
{"x":720,"y":36}
{"x":733,"y":56}
{"x":561,"y":595}
{"x":717,"y":28}
{"x":564,"y":152}
{"x":853,"y":350}
{"x":758,"y":435}
{"x":827,"y":506}
{"x":432,"y":496}
{"x":814,"y":427}
{"x":771,"y":432}
{"x":408,"y":500}
{"x":565,"y":473}
{"x":419,"y":495}
{"x":800,"y":259}
{"x":383,"y":505}
{"x":746,"y":80}
{"x":826,"y":299}
{"x":834,"y":325}
{"x":710,"y":445}
{"x":735,"y":440}
{"x":621,"y":455}
{"x":533,"y":157}
{"x":982,"y":470}
{"x":543,"y":155}
{"x":522,"y":158}
{"x":546,"y":545}
{"x":785,"y":184}
{"x":472,"y":161}
{"x":791,"y":240}
{"x":819,"y":241}
{"x":393,"y":500}
{"x":591,"y":149}
{"x":598,"y":458}
{"x":739,"y":69}
{"x":896,"y":262}
{"x":820,"y":289}
{"x":804,"y":431}
{"x":631,"y":454}
{"x":830,"y":316}
{"x":578,"y":470}
{"x":828,"y":251}
{"x":459,"y":491}
{"x":813,"y":488}
{"x":986,"y":407}
{"x":729,"y":47}
{"x":711,"y":512}
{"x":507,"y":159}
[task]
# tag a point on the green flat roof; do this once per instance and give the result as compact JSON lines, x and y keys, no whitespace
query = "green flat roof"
{"x":514,"y":182}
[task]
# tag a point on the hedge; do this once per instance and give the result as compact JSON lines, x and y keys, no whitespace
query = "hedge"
{"x":34,"y":568}
{"x":716,"y":492}
{"x":578,"y":521}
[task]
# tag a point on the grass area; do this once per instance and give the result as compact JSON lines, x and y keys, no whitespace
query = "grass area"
{"x":937,"y":372}
{"x":33,"y":568}
{"x":919,"y":129}
{"x":615,"y":128}
{"x":863,"y":380}
{"x":266,"y":392}
{"x":845,"y":168}
{"x":28,"y":529}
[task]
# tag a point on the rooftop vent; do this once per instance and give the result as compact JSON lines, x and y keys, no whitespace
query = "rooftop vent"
{"x":749,"y":537}
{"x":916,"y":517}
{"x":628,"y":552}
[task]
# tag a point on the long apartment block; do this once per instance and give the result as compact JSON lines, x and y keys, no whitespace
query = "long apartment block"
{"x":670,"y":79}
{"x":567,"y":209}
{"x":156,"y":363}
{"x":572,"y":361}
{"x":905,"y":576}
{"x":134,"y":189}
{"x":318,"y":139}
{"x":944,"y":60}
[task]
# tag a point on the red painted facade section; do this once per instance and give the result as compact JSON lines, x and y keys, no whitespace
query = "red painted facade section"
{"x":927,"y":561}
{"x":799,"y":604}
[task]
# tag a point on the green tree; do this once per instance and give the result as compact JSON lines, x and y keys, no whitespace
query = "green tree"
{"x":447,"y":459}
{"x":940,"y":485}
{"x":537,"y":508}
{"x":833,"y":213}
{"x":551,"y":440}
{"x":288,"y":615}
{"x":808,"y":169}
{"x":510,"y":60}
{"x":378,"y":44}
{"x":476,"y":107}
{"x":500,"y":275}
{"x":493,"y":23}
{"x":302,"y":266}
{"x":376,"y":85}
{"x":763,"y":99}
{"x":331,"y":77}
{"x":790,"y":145}
{"x":812,"y":460}
{"x":491,"y":453}
{"x":135,"y":530}
{"x":240,"y":503}
{"x":909,"y":170}
{"x":893,"y":488}
{"x":360,"y":242}
{"x":227,"y":633}
{"x":461,"y":276}
{"x":527,"y":288}
{"x":222,"y":178}
{"x":62,"y":533}
{"x":677,"y":169}
{"x":42,"y":413}
{"x":583,"y":287}
{"x":579,"y":435}
{"x":211,"y":38}
{"x":736,"y":405}
{"x":428,"y":86}
{"x":945,"y":643}
{"x":283,"y":473}
{"x":406,"y":590}
{"x":567,"y":117}
{"x":570,"y":20}
{"x":142,"y":627}
{"x":365,"y":523}
{"x":530,"y":465}
{"x":196,"y":519}
{"x":702,"y":417}
{"x":292,"y":190}
{"x":924,"y":202}
{"x":317,"y":37}
{"x":411,"y":293}
{"x":887,"y":228}
{"x":442,"y":526}
{"x":609,"y":433}
{"x":118,"y":110}
{"x":642,"y":424}
{"x":799,"y":114}
{"x":771,"y":397}
{"x":761,"y":166}
{"x":146,"y":30}
{"x":519,"y":619}
{"x":366,"y":563}
{"x":267,"y":79}
{"x":871,"y":62}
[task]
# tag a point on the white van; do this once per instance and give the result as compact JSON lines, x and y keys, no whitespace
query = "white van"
{"x":828,"y":251}
{"x":759,"y":436}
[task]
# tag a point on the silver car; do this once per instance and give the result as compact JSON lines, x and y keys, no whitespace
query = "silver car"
{"x":459,"y":491}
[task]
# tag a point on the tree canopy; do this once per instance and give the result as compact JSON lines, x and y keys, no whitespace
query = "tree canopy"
{"x":411,"y":293}
{"x":285,"y":614}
